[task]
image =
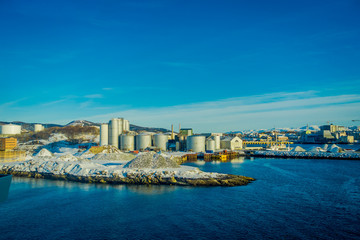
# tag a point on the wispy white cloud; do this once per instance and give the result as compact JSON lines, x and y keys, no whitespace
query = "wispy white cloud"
{"x":54,"y":102}
{"x":94,"y":96}
{"x":107,"y":89}
{"x":276,"y":109}
{"x":11,"y":103}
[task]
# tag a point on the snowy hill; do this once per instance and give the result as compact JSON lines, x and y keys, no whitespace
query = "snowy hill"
{"x":82,"y":123}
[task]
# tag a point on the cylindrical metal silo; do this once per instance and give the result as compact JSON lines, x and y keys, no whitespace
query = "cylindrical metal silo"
{"x":127,"y":125}
{"x":10,"y":129}
{"x":38,"y":127}
{"x":217,"y":142}
{"x":104,"y":134}
{"x":210,"y":145}
{"x":127,"y":142}
{"x":114,"y":133}
{"x":120,"y":125}
{"x":123,"y":126}
{"x":196,"y":143}
{"x":143,"y":141}
{"x":160,"y":141}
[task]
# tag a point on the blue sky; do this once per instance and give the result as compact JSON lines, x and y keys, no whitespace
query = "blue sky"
{"x":210,"y":65}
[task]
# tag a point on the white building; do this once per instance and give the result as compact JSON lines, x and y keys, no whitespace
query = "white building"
{"x":231,"y":143}
{"x":10,"y":129}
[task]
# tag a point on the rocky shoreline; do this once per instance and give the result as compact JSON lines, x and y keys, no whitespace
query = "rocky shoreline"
{"x":227,"y":180}
{"x":306,"y":155}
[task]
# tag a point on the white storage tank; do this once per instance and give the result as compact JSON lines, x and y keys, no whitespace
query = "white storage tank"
{"x":210,"y":145}
{"x":38,"y":127}
{"x":160,"y":141}
{"x":104,"y":134}
{"x":127,"y":125}
{"x":10,"y":129}
{"x":195,"y":143}
{"x":217,"y":142}
{"x":114,"y":133}
{"x":127,"y":142}
{"x":143,"y":141}
{"x":120,"y":122}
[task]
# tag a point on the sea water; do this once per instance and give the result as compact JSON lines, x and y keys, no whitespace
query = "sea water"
{"x":291,"y":199}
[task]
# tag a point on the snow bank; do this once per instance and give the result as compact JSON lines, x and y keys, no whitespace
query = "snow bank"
{"x":67,"y":158}
{"x":44,"y":153}
{"x":113,"y":156}
{"x":152,"y":160}
{"x":56,"y":137}
{"x":298,"y":149}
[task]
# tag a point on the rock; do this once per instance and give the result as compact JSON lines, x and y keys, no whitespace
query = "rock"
{"x":152,"y":160}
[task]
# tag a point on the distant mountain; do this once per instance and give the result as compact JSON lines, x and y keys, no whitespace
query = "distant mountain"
{"x":147,"y":129}
{"x":311,"y":127}
{"x":82,"y":123}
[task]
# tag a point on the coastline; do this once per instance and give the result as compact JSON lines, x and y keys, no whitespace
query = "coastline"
{"x":305,"y":155}
{"x":227,"y":180}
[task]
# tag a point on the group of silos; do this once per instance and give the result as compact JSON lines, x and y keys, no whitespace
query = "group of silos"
{"x":116,"y":134}
{"x":10,"y":129}
{"x":13,"y":129}
{"x":198,"y":143}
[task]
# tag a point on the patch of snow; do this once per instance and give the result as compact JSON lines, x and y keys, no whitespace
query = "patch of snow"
{"x":113,"y":157}
{"x":56,"y":137}
{"x":298,"y":149}
{"x":44,"y":153}
{"x":67,"y":158}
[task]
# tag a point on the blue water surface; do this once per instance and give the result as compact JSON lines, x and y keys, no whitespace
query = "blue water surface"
{"x":291,"y":199}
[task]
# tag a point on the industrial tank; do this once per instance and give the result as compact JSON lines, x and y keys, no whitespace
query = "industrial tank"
{"x":127,"y":142}
{"x":10,"y":129}
{"x":160,"y":141}
{"x":114,"y":133}
{"x":127,"y":125}
{"x":104,"y":134}
{"x":120,"y":125}
{"x":217,"y":142}
{"x":210,"y":145}
{"x":195,"y":143}
{"x":38,"y":127}
{"x":143,"y":141}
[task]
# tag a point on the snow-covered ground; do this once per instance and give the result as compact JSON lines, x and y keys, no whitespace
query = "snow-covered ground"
{"x":107,"y":165}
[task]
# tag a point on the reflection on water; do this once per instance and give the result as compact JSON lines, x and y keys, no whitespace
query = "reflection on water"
{"x":151,"y":189}
{"x":291,"y":199}
{"x":42,"y":183}
{"x":238,"y":160}
{"x":71,"y":186}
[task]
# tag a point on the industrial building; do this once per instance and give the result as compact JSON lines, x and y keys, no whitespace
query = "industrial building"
{"x":232,"y":143}
{"x":210,"y":145}
{"x":161,"y":141}
{"x":7,"y":144}
{"x":38,"y":127}
{"x":110,"y":133}
{"x":127,"y":142}
{"x":143,"y":141}
{"x":10,"y":129}
{"x":195,"y":143}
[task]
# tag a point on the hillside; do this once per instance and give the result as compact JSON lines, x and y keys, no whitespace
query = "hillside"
{"x":147,"y":129}
{"x":82,"y":123}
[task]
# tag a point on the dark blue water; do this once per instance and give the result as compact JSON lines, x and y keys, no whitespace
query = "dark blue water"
{"x":291,"y":199}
